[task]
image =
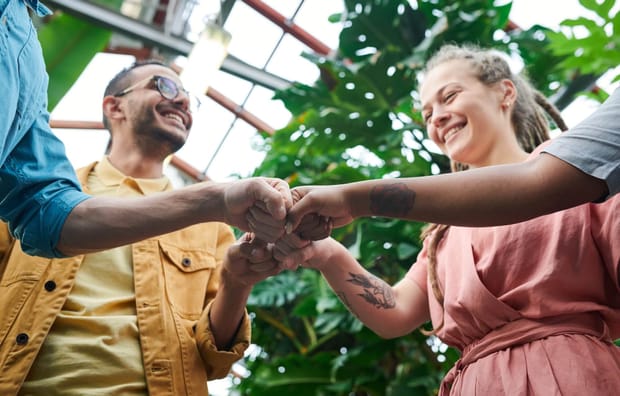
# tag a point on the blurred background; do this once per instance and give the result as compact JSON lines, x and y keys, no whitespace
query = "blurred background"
{"x":319,"y":92}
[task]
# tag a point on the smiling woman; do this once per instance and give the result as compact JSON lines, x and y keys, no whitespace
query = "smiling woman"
{"x":457,"y":104}
{"x":483,"y":114}
{"x":510,"y":298}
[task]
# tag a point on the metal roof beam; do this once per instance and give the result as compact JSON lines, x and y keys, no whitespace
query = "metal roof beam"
{"x":117,"y":22}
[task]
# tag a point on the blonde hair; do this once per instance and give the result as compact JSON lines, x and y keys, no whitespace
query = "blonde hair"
{"x":528,"y":119}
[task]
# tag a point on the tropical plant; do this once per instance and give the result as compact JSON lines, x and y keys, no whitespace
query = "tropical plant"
{"x":359,"y":121}
{"x":69,"y":44}
{"x":590,"y":45}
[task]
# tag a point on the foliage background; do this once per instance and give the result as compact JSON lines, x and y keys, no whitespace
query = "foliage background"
{"x":360,"y":121}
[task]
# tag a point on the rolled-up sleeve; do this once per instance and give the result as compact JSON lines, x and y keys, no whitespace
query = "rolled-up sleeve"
{"x":217,"y":362}
{"x":39,"y":189}
{"x":593,"y":146}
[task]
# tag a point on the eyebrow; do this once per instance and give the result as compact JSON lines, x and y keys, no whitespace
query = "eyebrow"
{"x":438,"y":93}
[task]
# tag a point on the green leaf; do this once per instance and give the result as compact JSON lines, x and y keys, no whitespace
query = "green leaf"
{"x":407,"y":250}
{"x":69,"y":44}
{"x":276,"y":291}
{"x":581,"y":22}
{"x":356,"y":122}
{"x":601,"y":10}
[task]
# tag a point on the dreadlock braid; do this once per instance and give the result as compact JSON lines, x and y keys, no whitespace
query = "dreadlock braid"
{"x":528,"y":118}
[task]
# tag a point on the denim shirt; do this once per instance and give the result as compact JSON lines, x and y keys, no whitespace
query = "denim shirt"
{"x":38,"y":7}
{"x":38,"y":186}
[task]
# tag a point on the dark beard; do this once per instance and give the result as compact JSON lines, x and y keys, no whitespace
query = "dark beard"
{"x":153,"y":138}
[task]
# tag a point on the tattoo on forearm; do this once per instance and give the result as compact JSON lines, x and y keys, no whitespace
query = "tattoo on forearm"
{"x":343,"y":297}
{"x":374,"y":291}
{"x":392,"y":200}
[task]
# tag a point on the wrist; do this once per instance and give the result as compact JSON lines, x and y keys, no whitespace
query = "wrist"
{"x":228,"y":279}
{"x":331,"y":255}
{"x":357,"y":198}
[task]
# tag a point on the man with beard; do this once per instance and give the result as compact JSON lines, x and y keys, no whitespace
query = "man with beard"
{"x":41,"y":198}
{"x":160,"y":316}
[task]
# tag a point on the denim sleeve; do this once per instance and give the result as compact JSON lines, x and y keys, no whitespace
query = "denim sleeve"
{"x":39,"y":189}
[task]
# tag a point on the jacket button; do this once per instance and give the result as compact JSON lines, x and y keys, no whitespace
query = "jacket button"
{"x":186,"y":262}
{"x":21,"y":339}
{"x":50,"y":285}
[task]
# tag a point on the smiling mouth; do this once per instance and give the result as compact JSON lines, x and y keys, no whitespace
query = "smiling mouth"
{"x":452,"y":131}
{"x":176,"y":118}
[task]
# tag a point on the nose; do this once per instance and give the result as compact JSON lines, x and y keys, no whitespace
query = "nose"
{"x":440,"y":116}
{"x":182,"y":99}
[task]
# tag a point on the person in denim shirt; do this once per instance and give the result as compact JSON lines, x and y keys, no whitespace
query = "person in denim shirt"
{"x":41,"y":199}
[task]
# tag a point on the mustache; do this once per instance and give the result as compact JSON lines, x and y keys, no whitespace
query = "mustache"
{"x":178,"y":108}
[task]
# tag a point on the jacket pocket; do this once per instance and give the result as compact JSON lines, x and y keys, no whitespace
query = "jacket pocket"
{"x":188,"y":278}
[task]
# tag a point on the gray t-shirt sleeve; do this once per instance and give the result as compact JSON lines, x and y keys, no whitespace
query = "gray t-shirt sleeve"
{"x":593,"y":146}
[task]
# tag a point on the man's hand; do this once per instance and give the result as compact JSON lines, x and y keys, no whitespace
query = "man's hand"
{"x":324,"y":201}
{"x":249,"y":261}
{"x":270,"y":196}
{"x":293,"y":252}
{"x":314,"y":227}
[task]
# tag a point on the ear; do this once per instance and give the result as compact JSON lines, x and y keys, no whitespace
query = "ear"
{"x":508,"y":93}
{"x":112,"y":109}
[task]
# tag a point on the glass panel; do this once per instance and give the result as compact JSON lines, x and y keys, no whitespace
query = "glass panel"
{"x":288,"y":64}
{"x":235,"y":88}
{"x":253,"y":36}
{"x":261,"y":104}
{"x":83,"y":146}
{"x":236,"y":154}
{"x":210,"y":125}
{"x":284,"y":7}
{"x":312,"y":17}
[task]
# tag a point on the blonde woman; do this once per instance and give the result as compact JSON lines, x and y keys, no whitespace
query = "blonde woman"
{"x":537,"y":304}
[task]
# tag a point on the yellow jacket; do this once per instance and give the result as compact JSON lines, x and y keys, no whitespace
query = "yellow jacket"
{"x":178,"y":351}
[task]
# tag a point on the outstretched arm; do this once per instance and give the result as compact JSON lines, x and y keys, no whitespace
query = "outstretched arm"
{"x":388,"y":311}
{"x":247,"y":262}
{"x":493,"y":195}
{"x":105,"y":222}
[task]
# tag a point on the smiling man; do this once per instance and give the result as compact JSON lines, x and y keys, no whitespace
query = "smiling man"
{"x":42,"y":202}
{"x":160,"y":316}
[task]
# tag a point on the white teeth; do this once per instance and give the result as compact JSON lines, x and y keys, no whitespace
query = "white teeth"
{"x":451,"y":132}
{"x":174,"y":117}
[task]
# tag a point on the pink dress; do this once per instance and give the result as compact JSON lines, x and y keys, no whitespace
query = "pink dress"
{"x":534,"y":306}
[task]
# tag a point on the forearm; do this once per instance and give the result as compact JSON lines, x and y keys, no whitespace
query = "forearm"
{"x":482,"y":197}
{"x":369,"y":298}
{"x":227,"y":312}
{"x":104,"y":222}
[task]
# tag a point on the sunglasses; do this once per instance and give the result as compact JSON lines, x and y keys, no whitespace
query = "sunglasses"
{"x":167,"y":88}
